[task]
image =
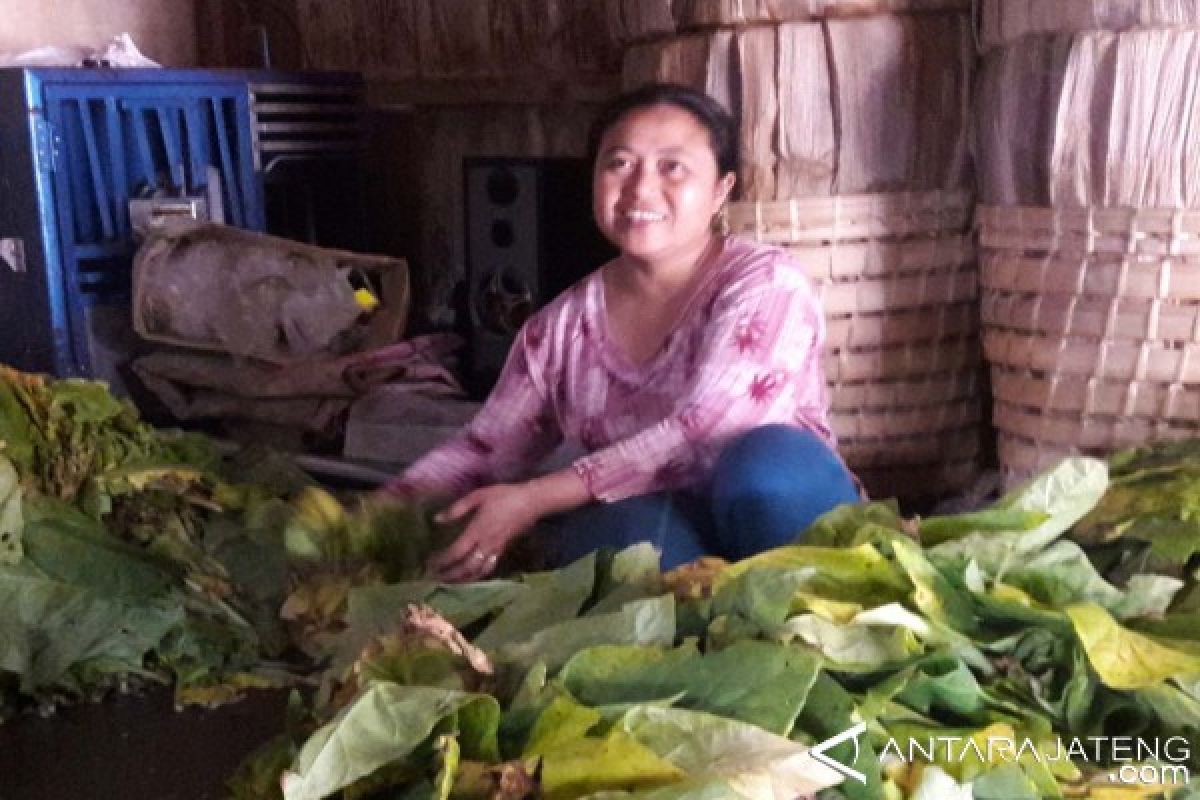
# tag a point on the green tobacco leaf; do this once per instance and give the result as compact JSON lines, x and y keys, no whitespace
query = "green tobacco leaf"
{"x":1125,"y":659}
{"x":17,"y":432}
{"x":851,"y":525}
{"x":762,"y":683}
{"x":385,"y":724}
{"x":855,"y":574}
{"x":374,"y":610}
{"x":831,"y":710}
{"x":73,"y":548}
{"x":12,"y":520}
{"x":575,"y":765}
{"x":943,"y":683}
{"x":48,"y":626}
{"x":642,"y":622}
{"x":687,"y":790}
{"x":1064,"y":495}
{"x":936,"y":530}
{"x":547,"y":599}
{"x":856,"y":647}
{"x":757,"y":764}
{"x":1062,"y":575}
{"x":934,"y":595}
{"x":630,"y":574}
{"x":561,"y":722}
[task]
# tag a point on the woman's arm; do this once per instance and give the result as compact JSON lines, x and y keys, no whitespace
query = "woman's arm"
{"x":760,"y":361}
{"x":498,"y":514}
{"x":513,"y":431}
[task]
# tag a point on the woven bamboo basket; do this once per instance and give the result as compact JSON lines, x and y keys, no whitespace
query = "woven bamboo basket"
{"x":1091,"y":326}
{"x":883,"y":104}
{"x":897,"y":279}
{"x":1002,"y":22}
{"x":639,"y":20}
{"x":1092,"y":119}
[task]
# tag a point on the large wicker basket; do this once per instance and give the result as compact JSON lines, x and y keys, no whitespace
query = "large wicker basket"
{"x":897,"y":278}
{"x":1091,"y":325}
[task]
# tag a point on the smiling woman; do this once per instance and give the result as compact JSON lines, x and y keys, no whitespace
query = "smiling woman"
{"x":688,"y":368}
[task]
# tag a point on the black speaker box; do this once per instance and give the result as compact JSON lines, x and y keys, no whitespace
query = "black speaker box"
{"x":529,"y":235}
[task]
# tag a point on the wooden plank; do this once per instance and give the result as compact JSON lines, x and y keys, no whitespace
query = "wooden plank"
{"x":386,"y":92}
{"x":837,"y":107}
{"x":710,"y":13}
{"x":873,"y":66}
{"x":1003,"y":22}
{"x":807,"y":142}
{"x":755,"y":53}
{"x":635,"y":20}
{"x":1092,"y":119}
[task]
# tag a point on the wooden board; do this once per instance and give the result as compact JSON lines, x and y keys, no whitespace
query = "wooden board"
{"x":1092,"y":119}
{"x":439,"y":39}
{"x":1004,"y":21}
{"x":702,"y":61}
{"x":834,"y":107}
{"x":637,"y":20}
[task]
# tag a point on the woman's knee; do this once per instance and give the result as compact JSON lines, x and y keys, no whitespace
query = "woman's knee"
{"x":779,"y":456}
{"x":770,"y":483}
{"x":653,"y":518}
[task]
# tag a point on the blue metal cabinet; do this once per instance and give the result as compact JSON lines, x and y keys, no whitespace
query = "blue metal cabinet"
{"x":76,"y":146}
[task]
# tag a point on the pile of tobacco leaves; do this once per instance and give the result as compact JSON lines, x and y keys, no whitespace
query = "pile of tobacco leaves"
{"x":1046,"y":647}
{"x":130,"y":555}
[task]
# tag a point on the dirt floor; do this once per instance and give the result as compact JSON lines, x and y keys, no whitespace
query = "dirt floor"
{"x":134,"y":749}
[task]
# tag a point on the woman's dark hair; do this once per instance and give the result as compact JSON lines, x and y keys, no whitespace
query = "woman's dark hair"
{"x":720,"y":124}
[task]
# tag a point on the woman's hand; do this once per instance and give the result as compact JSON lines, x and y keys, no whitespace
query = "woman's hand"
{"x":498,"y":514}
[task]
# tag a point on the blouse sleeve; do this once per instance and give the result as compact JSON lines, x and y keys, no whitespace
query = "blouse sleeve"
{"x":759,"y":361}
{"x":514,"y":430}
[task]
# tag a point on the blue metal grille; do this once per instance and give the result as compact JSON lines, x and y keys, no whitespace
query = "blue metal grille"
{"x":99,"y":139}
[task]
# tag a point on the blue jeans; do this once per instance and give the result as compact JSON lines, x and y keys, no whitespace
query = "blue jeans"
{"x":767,"y":486}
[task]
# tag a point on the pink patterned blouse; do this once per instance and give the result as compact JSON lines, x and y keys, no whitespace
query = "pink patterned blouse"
{"x":746,"y":352}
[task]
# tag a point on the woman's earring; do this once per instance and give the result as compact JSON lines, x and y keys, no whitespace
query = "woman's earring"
{"x":720,"y":222}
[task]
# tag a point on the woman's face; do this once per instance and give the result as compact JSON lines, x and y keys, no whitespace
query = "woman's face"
{"x":655,"y":187}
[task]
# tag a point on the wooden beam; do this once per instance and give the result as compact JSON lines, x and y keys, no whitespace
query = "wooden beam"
{"x":386,"y":92}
